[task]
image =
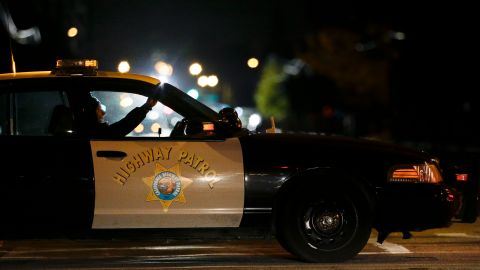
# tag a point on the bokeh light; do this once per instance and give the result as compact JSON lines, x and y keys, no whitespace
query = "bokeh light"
{"x":202,"y":81}
{"x":126,"y":101}
{"x":252,"y":62}
{"x":72,"y":32}
{"x":153,"y":115}
{"x":155,"y":127}
{"x":139,"y":128}
{"x":212,"y":80}
{"x":123,"y":67}
{"x":195,"y":69}
{"x":164,"y":69}
{"x":254,"y":120}
{"x":193,"y":93}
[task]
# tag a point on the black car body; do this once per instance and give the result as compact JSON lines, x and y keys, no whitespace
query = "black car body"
{"x":319,"y":195}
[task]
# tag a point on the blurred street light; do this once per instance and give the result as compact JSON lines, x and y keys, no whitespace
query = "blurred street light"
{"x":153,"y":115}
{"x":212,"y":80}
{"x":123,"y":67}
{"x":164,"y":69}
{"x":139,"y":128}
{"x":126,"y":101}
{"x":252,"y":62}
{"x":239,"y":111}
{"x":195,"y":69}
{"x":253,"y":121}
{"x":193,"y":93}
{"x":72,"y":32}
{"x":202,"y":81}
{"x":155,"y":127}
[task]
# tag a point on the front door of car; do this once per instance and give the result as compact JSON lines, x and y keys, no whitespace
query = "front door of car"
{"x":167,"y":183}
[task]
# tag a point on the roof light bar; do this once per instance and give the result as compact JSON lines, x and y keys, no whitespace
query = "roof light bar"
{"x":76,"y":67}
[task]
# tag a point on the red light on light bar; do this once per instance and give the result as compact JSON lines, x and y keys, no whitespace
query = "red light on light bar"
{"x":462,"y":177}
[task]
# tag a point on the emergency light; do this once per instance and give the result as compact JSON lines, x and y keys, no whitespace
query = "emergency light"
{"x":76,"y":67}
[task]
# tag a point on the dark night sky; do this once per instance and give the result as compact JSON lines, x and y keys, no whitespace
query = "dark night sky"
{"x":222,"y":34}
{"x":433,"y":70}
{"x":219,"y":35}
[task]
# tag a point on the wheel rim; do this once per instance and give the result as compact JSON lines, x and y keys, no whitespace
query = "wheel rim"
{"x":329,"y":224}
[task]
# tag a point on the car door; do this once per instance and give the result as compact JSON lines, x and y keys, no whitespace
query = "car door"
{"x":167,"y":183}
{"x":163,"y":182}
{"x":47,"y":178}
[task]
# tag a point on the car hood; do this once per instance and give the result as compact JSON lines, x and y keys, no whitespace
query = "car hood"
{"x":324,"y":150}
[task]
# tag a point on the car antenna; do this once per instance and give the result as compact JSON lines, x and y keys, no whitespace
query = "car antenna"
{"x":14,"y":67}
{"x":272,"y":129}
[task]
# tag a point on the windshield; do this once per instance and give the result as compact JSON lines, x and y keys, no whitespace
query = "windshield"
{"x":184,"y":104}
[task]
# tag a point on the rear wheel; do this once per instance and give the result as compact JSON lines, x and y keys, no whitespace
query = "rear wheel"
{"x":324,"y":224}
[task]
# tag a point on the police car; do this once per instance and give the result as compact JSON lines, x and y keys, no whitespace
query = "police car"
{"x":320,"y":196}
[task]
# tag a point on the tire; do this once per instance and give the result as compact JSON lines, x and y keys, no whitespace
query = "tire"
{"x":326,"y":223}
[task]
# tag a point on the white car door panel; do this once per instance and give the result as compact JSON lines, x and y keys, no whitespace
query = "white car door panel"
{"x":168,"y":184}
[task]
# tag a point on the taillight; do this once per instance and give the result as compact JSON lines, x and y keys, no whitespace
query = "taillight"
{"x":415,"y":173}
{"x":462,"y":177}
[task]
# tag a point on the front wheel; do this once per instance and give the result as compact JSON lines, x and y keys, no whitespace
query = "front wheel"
{"x":324,"y":224}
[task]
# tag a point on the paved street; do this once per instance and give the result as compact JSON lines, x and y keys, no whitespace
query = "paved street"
{"x":457,"y":247}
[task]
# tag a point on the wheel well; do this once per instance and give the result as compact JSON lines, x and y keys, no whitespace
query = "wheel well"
{"x":322,"y":177}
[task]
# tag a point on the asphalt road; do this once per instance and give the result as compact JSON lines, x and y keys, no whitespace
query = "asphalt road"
{"x":457,"y":247}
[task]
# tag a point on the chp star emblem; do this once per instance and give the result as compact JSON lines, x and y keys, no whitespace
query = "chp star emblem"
{"x":167,"y":186}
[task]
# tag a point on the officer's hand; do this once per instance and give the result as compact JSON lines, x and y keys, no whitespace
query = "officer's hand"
{"x":151,"y":102}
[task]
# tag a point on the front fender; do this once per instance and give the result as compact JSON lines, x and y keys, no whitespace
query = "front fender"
{"x":324,"y":177}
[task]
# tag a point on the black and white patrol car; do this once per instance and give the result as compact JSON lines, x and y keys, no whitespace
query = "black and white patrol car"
{"x":320,"y":196}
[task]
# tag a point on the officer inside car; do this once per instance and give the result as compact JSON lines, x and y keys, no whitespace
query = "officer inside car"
{"x":93,"y":121}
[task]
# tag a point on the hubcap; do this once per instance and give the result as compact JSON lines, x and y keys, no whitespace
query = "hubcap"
{"x":327,"y":221}
{"x":329,"y":225}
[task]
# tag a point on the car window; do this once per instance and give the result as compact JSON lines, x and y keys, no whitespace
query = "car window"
{"x":119,"y":104}
{"x":38,"y":113}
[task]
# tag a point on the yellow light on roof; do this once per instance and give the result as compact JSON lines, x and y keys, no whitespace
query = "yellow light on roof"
{"x":76,"y":67}
{"x":91,"y":63}
{"x":77,"y":63}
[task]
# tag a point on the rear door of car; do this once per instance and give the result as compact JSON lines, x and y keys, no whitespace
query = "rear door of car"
{"x":47,"y":177}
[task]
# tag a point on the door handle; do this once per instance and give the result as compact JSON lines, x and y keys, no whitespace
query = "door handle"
{"x":111,"y":154}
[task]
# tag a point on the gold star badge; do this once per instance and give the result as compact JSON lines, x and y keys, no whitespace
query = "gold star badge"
{"x":167,"y":186}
